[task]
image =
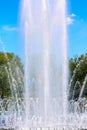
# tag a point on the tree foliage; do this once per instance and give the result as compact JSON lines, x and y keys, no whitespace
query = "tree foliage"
{"x":78,"y":72}
{"x":11,"y":75}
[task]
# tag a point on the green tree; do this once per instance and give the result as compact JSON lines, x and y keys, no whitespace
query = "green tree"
{"x":11,"y":75}
{"x":78,"y":68}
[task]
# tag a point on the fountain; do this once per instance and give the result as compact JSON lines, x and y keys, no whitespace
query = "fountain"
{"x":41,"y":24}
{"x":44,"y":105}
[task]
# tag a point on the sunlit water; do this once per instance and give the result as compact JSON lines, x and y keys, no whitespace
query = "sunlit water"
{"x":46,"y":73}
{"x":44,"y":105}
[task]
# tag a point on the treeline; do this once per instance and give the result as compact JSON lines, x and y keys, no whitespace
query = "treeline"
{"x":78,"y":74}
{"x":11,"y":75}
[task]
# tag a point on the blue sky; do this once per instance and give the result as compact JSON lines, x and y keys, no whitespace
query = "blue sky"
{"x":77,"y":29}
{"x":9,"y":26}
{"x":76,"y":20}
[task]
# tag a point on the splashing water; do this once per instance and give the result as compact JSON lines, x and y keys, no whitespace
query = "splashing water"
{"x":45,"y":105}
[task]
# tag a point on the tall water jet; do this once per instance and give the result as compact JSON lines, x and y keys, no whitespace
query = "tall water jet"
{"x":27,"y":26}
{"x":46,"y":73}
{"x":46,"y":57}
{"x":65,"y":59}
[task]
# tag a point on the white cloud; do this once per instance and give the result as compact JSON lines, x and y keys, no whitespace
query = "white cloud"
{"x":70,"y":19}
{"x":9,"y":28}
{"x":73,"y":15}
